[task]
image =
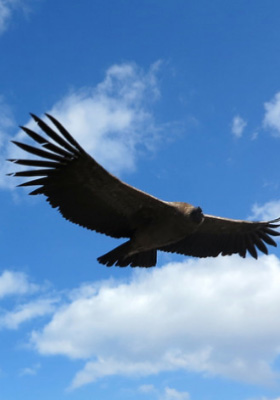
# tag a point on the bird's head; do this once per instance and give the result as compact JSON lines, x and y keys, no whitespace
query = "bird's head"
{"x":193,"y":214}
{"x":196,"y":215}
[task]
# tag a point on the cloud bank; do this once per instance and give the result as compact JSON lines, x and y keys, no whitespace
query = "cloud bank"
{"x":214,"y":316}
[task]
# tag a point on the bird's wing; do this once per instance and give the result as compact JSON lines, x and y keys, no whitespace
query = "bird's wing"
{"x":226,"y":236}
{"x":83,"y":191}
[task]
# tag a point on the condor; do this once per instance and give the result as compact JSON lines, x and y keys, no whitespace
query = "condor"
{"x":88,"y":195}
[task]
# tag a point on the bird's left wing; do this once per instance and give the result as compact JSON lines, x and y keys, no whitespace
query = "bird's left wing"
{"x":227,"y":236}
{"x":83,"y":191}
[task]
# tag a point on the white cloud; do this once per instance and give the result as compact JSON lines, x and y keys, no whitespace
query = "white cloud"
{"x":15,"y":283}
{"x":111,"y":121}
{"x":272,"y":114}
{"x":214,"y":316}
{"x":238,"y":126}
{"x":267,"y":211}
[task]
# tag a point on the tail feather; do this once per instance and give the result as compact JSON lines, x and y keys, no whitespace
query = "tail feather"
{"x":119,"y":257}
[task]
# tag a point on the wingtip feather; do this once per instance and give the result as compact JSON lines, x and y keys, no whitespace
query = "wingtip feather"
{"x":37,"y":119}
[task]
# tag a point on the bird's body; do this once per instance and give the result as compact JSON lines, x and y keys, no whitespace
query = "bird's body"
{"x":88,"y":195}
{"x":174,"y":223}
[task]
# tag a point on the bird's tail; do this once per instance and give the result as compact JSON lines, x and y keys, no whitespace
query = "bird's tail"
{"x":119,"y":257}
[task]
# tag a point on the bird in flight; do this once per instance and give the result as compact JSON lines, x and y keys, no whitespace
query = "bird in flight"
{"x":88,"y":195}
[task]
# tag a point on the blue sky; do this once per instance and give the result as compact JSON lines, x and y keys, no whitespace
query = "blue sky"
{"x":180,"y":99}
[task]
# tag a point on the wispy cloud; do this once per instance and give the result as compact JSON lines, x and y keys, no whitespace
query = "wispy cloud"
{"x":264,"y":398}
{"x":17,"y":286}
{"x":7,"y":9}
{"x":167,"y":394}
{"x":6,"y":120}
{"x":173,"y":394}
{"x":30,"y":371}
{"x":267,"y":211}
{"x":111,"y":120}
{"x":149,"y":388}
{"x":26,"y":312}
{"x":215,"y":316}
{"x":5,"y":14}
{"x":238,"y":125}
{"x":272,"y":114}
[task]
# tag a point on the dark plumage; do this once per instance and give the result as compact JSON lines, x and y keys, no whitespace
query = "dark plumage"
{"x":88,"y":195}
